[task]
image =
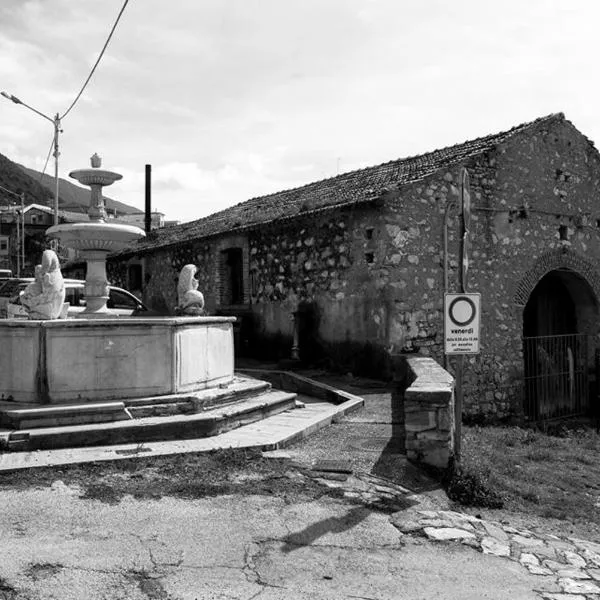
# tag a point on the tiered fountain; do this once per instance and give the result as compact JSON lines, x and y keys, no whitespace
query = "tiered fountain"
{"x":96,"y":239}
{"x":100,"y":379}
{"x":98,"y":356}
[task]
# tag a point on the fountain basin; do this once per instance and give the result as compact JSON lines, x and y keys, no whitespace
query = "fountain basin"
{"x":95,"y":176}
{"x":86,"y":360}
{"x":108,"y":237}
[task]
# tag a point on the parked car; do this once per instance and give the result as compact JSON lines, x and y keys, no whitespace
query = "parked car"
{"x":120,"y":302}
{"x":10,"y":288}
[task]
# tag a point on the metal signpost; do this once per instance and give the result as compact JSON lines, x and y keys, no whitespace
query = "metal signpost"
{"x":462,"y":315}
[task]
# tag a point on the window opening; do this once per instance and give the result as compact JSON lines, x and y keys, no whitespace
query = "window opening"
{"x":232,"y":291}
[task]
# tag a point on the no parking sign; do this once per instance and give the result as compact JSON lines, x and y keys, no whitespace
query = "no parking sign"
{"x":462,"y":321}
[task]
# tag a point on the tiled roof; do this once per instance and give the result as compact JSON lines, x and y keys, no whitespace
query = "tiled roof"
{"x":349,"y":188}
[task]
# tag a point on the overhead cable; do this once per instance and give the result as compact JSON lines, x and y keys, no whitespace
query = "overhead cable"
{"x":47,"y":159}
{"x":97,"y":62}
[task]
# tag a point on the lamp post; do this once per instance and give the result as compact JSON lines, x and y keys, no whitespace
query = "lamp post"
{"x":56,"y":124}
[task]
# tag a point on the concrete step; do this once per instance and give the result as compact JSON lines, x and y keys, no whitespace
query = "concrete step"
{"x":57,"y":415}
{"x":277,"y":431}
{"x":182,"y":426}
{"x":162,"y":410}
{"x":64,"y":414}
{"x":238,"y":389}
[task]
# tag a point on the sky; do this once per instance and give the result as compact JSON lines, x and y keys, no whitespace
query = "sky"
{"x":233,"y":99}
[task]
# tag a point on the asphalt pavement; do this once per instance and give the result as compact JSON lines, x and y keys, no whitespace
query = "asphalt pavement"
{"x":388,"y":533}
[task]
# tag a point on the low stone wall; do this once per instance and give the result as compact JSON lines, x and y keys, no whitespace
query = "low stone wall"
{"x":293,"y":382}
{"x":427,"y":393}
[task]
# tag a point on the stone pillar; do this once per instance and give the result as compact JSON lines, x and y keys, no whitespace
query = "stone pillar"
{"x":428,"y":398}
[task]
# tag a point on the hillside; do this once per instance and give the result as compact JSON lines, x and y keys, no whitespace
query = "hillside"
{"x":76,"y":198}
{"x":13,"y":178}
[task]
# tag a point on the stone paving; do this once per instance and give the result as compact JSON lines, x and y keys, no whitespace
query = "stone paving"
{"x":569,"y":568}
{"x":572,"y":564}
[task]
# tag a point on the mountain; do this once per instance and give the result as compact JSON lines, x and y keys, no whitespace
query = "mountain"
{"x":14,"y":179}
{"x":74,"y":197}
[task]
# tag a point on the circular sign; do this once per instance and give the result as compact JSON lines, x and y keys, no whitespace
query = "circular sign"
{"x":462,"y":311}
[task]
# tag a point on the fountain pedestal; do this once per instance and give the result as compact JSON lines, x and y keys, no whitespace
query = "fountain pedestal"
{"x":96,"y":239}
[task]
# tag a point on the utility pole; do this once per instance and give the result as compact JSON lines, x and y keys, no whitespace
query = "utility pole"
{"x":22,"y":238}
{"x":57,"y":130}
{"x":20,"y":223}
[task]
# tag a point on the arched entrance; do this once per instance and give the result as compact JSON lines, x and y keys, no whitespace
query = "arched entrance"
{"x":560,"y":323}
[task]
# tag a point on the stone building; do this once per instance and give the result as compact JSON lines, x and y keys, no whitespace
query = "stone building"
{"x":360,"y":260}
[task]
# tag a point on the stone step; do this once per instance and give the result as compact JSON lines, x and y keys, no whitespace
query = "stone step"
{"x":209,"y":399}
{"x":64,"y":414}
{"x":181,"y":426}
{"x":57,"y":415}
{"x":239,"y":388}
{"x":162,"y":410}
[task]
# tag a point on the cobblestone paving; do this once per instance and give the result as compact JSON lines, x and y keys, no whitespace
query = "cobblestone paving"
{"x":568,"y":565}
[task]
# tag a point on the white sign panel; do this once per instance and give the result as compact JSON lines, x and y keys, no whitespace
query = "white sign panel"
{"x":462,"y":321}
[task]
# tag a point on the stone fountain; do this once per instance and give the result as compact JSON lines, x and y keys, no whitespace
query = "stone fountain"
{"x":99,"y":379}
{"x":98,"y":356}
{"x":95,"y":239}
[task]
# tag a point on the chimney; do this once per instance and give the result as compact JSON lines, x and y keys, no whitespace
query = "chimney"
{"x":148,"y":215}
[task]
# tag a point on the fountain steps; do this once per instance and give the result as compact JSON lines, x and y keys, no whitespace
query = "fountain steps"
{"x":201,"y":414}
{"x":156,"y":406}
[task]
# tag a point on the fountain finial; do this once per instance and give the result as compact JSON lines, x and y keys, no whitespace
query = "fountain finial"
{"x":96,"y":161}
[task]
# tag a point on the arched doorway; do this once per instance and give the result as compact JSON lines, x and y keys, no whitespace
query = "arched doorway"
{"x":560,"y":322}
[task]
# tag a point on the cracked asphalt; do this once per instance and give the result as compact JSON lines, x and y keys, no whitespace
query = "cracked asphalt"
{"x":87,"y":538}
{"x":58,"y":544}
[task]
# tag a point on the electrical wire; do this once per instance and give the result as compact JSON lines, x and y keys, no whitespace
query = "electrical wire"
{"x":97,"y":62}
{"x":47,"y":159}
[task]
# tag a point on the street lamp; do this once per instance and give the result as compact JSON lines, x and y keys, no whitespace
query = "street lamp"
{"x":56,"y":124}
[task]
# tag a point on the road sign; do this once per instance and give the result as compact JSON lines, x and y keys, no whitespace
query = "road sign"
{"x":462,"y":322}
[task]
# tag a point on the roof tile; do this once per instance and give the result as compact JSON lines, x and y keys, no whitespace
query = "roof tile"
{"x":348,"y":188}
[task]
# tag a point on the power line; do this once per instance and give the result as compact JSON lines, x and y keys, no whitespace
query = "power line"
{"x":47,"y":159}
{"x":97,"y":62}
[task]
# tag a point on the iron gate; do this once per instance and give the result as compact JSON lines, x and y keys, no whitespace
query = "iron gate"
{"x":556,"y":375}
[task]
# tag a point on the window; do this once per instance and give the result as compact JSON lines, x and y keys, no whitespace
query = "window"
{"x":563,"y":233}
{"x":232,"y":276}
{"x":134,"y":277}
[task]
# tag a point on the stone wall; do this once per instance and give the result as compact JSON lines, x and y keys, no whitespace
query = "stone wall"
{"x":427,"y":396}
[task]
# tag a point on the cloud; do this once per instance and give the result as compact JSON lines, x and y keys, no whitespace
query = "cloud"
{"x":230,"y":100}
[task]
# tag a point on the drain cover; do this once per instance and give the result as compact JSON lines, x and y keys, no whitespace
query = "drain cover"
{"x":332,"y":466}
{"x":376,"y":444}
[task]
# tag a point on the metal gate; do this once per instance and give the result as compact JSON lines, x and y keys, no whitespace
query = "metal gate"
{"x":556,"y":375}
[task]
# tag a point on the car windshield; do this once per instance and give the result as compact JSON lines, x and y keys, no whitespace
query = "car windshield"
{"x":12,"y":287}
{"x":74,"y":295}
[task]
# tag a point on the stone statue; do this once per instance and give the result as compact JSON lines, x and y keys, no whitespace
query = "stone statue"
{"x":44,"y":298}
{"x":190,"y":300}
